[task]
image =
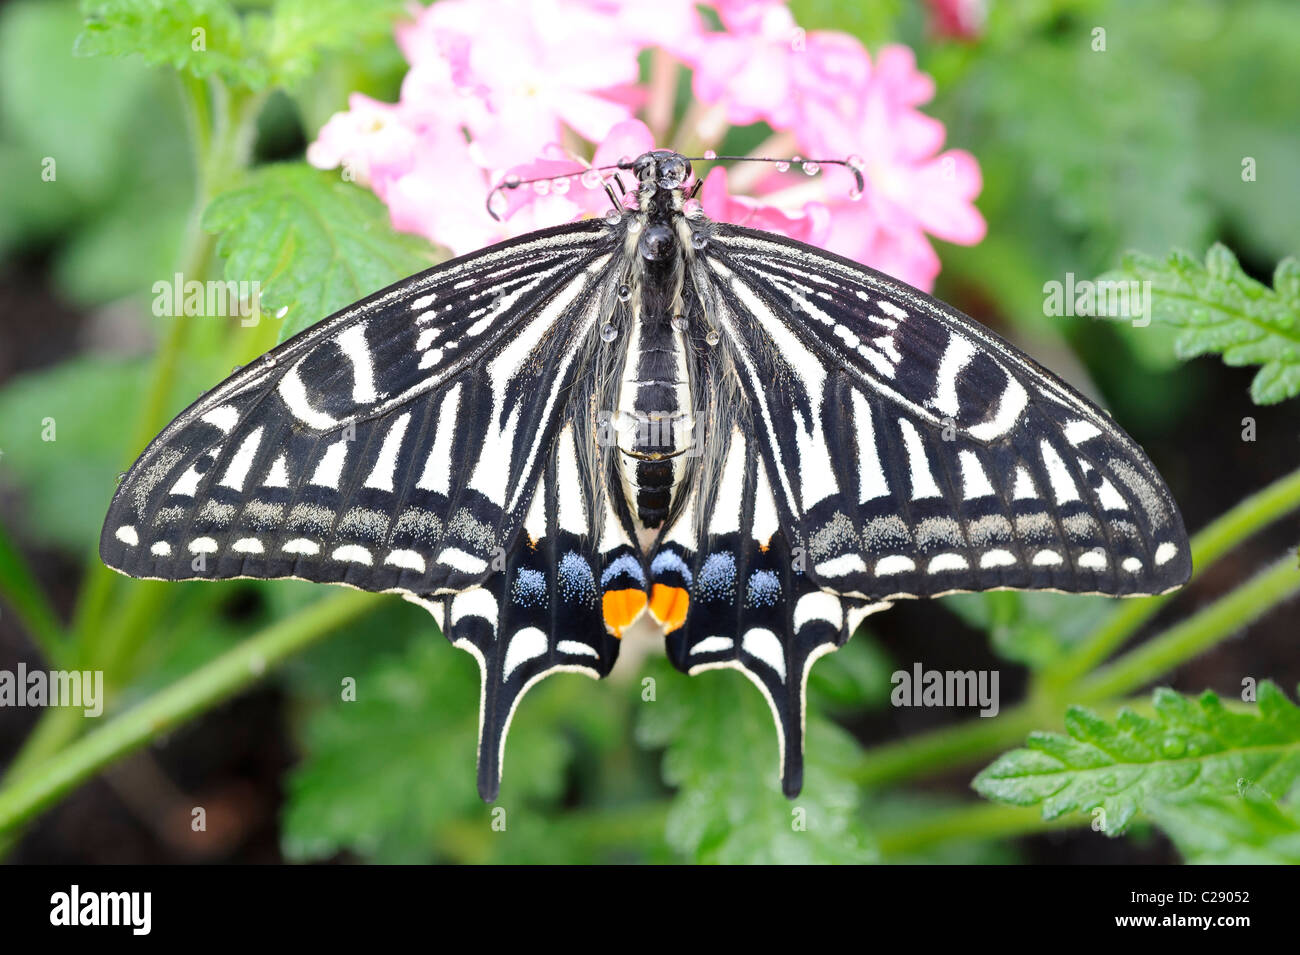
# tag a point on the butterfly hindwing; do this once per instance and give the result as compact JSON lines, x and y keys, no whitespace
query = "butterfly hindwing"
{"x":730,"y":590}
{"x":915,"y":453}
{"x":393,"y":446}
{"x":547,"y":607}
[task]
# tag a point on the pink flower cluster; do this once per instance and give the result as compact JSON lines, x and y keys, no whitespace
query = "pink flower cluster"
{"x":550,"y":87}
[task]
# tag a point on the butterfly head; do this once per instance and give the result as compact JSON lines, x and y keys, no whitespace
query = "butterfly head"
{"x":662,"y":169}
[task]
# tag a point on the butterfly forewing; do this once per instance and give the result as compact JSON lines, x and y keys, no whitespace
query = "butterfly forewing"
{"x":915,"y":453}
{"x":392,"y":446}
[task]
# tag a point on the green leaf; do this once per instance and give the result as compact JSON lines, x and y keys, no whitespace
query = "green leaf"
{"x":1192,"y":748}
{"x":384,"y":775}
{"x":1220,"y":309}
{"x":722,"y":757}
{"x":1247,"y":829}
{"x":1035,"y":629}
{"x":313,"y":241}
{"x":303,"y":33}
{"x":201,"y":37}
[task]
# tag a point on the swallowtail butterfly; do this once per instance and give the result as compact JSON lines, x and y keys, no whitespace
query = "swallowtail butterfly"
{"x":651,"y":416}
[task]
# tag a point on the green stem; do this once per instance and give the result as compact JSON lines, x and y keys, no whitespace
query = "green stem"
{"x":1220,"y":536}
{"x":1193,"y":636}
{"x":978,"y":822}
{"x":20,"y":588}
{"x":31,"y":791}
{"x":948,"y":747}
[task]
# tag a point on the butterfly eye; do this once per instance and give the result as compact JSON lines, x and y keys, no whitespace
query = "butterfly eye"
{"x":673,"y":171}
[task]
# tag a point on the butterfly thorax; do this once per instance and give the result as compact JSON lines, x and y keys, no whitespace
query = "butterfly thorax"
{"x":654,"y":417}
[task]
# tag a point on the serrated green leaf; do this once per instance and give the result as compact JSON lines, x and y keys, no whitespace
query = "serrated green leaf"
{"x":722,"y":758}
{"x":1191,"y":749}
{"x":201,"y":37}
{"x":314,"y":242}
{"x":384,"y":775}
{"x":1250,"y":828}
{"x":1219,"y":309}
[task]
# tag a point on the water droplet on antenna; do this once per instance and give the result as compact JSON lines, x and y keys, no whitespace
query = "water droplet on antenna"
{"x":710,"y":154}
{"x":811,"y":168}
{"x":561,"y":186}
{"x":591,"y":179}
{"x":510,"y":181}
{"x":782,"y":166}
{"x":542,"y":187}
{"x":855,"y":193}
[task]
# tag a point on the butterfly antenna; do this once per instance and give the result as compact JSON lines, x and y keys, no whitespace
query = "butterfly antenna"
{"x":811,"y":166}
{"x":514,"y":182}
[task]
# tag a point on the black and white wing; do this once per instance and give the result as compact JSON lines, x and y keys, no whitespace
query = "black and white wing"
{"x":397,"y":446}
{"x":916,"y":453}
{"x":884,"y":446}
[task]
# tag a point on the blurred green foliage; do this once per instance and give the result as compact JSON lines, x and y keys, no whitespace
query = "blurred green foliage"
{"x":1087,"y":153}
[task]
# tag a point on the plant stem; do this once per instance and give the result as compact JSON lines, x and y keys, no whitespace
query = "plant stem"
{"x":1192,"y":636}
{"x":40,"y":785}
{"x":20,"y":587}
{"x":976,"y":822}
{"x":1216,"y":539}
{"x":948,"y":747}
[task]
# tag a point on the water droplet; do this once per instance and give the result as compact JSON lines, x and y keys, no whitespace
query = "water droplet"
{"x":510,"y":181}
{"x":625,"y":160}
{"x":284,"y":310}
{"x":1107,"y":780}
{"x":1243,"y":786}
{"x":634,"y":226}
{"x":542,"y":187}
{"x":498,"y":205}
{"x":713,"y":337}
{"x":1173,"y":746}
{"x":624,"y":293}
{"x":699,"y":240}
{"x":811,"y":168}
{"x":608,"y":332}
{"x":692,"y":209}
{"x":856,"y":161}
{"x":591,"y":179}
{"x":121,"y":477}
{"x":710,"y":154}
{"x":235,"y":369}
{"x":613,"y":217}
{"x":855,"y":193}
{"x":782,"y":166}
{"x":680,"y":323}
{"x":561,"y":186}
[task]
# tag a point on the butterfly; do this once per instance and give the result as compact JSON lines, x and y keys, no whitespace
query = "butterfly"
{"x":649,"y":419}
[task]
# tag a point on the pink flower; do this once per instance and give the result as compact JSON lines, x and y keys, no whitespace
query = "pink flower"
{"x":533,"y":68}
{"x":370,"y":141}
{"x":911,"y":188}
{"x":501,"y":88}
{"x":961,"y":19}
{"x":767,"y":68}
{"x":811,"y":225}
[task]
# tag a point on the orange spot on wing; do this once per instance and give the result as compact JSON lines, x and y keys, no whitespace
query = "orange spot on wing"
{"x":621,"y":608}
{"x":669,"y":606}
